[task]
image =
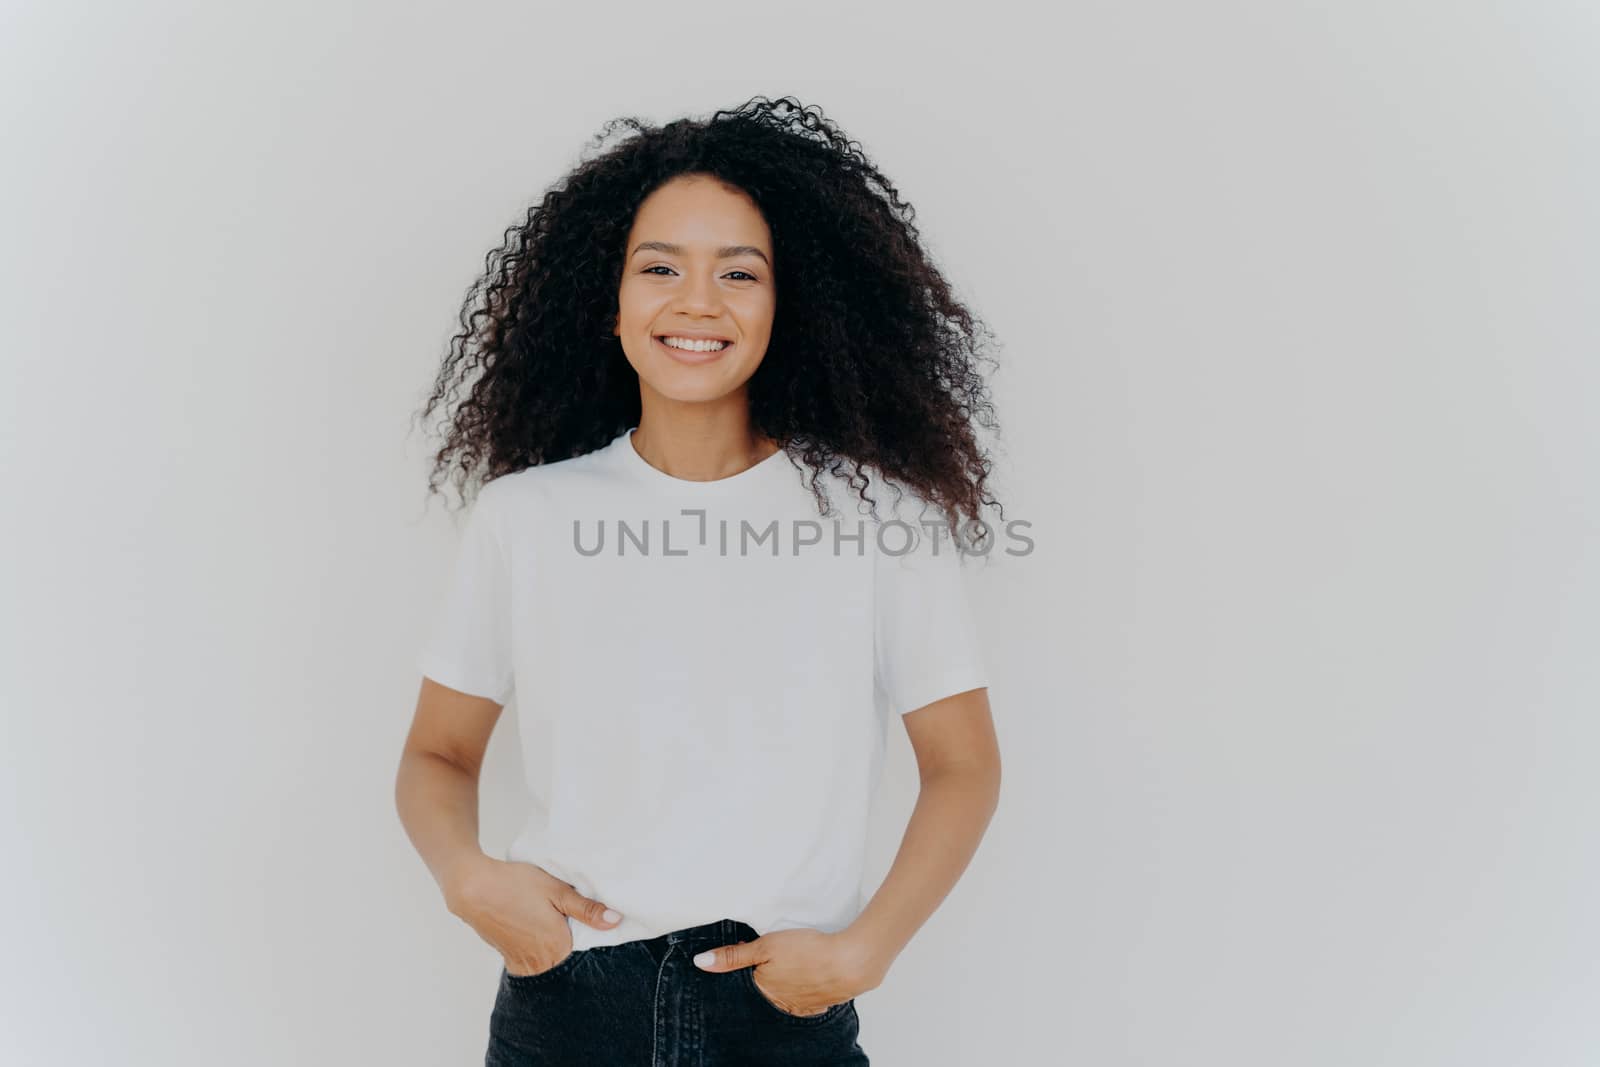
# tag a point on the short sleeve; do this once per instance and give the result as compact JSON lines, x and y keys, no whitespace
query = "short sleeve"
{"x":925,"y":638}
{"x":469,"y":645}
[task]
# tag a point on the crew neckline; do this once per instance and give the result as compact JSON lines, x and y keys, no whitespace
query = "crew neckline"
{"x":634,"y":461}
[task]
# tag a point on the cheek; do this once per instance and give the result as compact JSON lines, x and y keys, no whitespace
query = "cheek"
{"x":636,"y":305}
{"x":755,"y":311}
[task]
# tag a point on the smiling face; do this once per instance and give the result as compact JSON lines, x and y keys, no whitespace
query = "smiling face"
{"x":698,"y":266}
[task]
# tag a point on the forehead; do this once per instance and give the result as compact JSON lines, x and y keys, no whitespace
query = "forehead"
{"x":700,"y":214}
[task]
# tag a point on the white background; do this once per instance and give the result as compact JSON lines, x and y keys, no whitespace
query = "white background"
{"x":1296,"y":694}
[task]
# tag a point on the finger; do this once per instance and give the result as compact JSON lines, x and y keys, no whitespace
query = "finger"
{"x":589,"y":912}
{"x":731,"y":957}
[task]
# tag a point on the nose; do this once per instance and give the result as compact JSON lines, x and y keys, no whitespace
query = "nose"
{"x":699,"y":295}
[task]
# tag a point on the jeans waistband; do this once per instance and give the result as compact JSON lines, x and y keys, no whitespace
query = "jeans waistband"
{"x":721,"y":931}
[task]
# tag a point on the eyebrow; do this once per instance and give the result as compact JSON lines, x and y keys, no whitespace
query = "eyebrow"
{"x":725,"y":252}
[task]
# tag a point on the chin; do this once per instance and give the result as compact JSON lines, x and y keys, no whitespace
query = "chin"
{"x":704,"y":391}
{"x":693,"y":384}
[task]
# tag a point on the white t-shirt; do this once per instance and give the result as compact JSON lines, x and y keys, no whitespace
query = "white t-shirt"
{"x":702,"y":673}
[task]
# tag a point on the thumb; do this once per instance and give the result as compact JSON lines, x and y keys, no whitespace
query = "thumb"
{"x":732,"y":957}
{"x":589,"y":912}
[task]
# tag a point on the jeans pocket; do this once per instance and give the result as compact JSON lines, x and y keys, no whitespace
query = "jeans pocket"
{"x":561,"y":966}
{"x":831,"y":1012}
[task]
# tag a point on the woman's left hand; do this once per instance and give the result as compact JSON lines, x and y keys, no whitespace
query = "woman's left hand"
{"x":802,"y":971}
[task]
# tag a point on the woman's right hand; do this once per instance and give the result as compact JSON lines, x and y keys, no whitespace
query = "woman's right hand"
{"x":521,"y":910}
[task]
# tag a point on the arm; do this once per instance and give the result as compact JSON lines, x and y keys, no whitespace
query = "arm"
{"x":958,"y":760}
{"x":436,"y":786}
{"x":518,"y":908}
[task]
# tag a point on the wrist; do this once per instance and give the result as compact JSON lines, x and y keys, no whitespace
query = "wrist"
{"x":457,"y":876}
{"x":868,"y":952}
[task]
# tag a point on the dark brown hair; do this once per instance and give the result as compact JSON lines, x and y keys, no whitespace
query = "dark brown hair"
{"x":872,"y":363}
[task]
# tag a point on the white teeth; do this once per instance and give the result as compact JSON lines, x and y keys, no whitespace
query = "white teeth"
{"x":695,"y":346}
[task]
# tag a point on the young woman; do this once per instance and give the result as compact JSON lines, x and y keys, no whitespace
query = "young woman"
{"x":666,"y":367}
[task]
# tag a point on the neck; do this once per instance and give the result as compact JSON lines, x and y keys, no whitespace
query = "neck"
{"x":700,"y":447}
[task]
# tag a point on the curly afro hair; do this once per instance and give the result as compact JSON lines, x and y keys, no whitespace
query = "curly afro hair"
{"x":871,"y":362}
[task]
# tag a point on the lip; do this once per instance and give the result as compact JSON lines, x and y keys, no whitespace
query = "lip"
{"x":694,"y":358}
{"x":696,"y":335}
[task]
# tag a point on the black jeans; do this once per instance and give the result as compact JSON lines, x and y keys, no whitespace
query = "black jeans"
{"x":645,"y":1004}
